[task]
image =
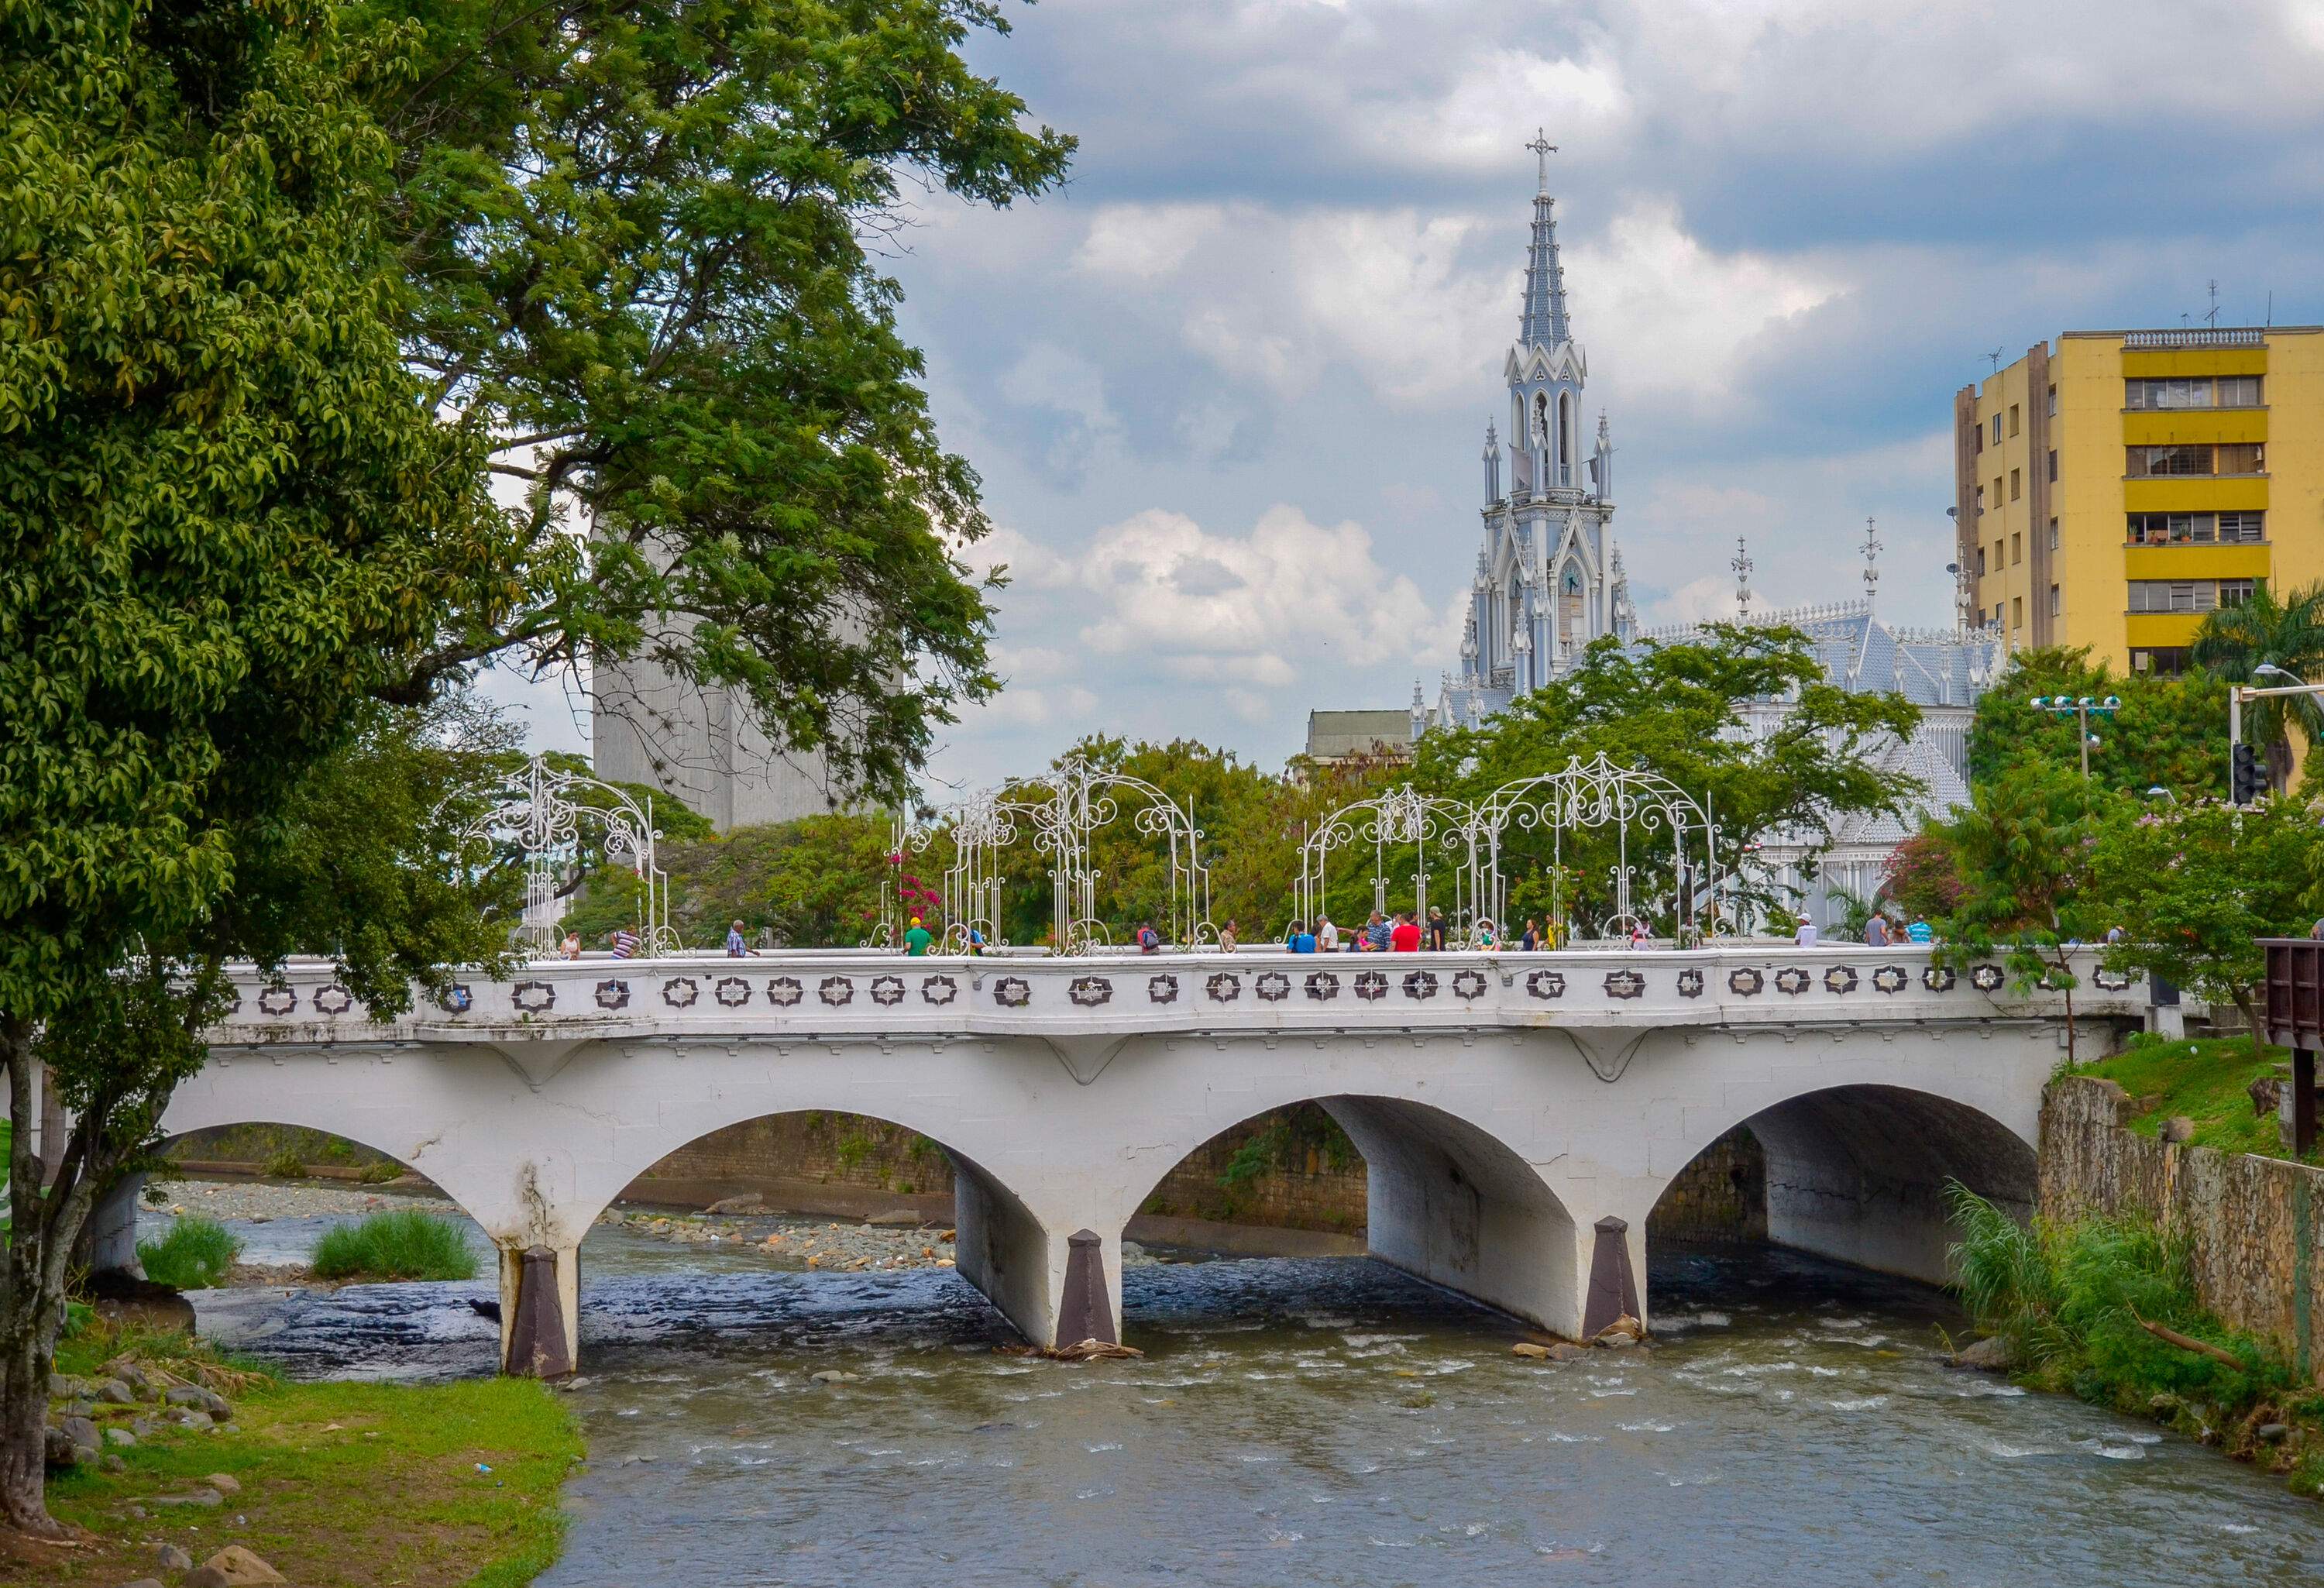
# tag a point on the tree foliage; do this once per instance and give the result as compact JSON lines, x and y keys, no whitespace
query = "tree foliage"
{"x":2235,"y":641}
{"x":2192,"y":886}
{"x":645,"y":246}
{"x":2171,"y":732}
{"x":1674,"y":708}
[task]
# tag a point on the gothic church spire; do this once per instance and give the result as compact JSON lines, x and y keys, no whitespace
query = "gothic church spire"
{"x":1543,"y":321}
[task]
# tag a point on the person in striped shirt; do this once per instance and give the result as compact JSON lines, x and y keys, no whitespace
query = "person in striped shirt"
{"x":624,"y":942}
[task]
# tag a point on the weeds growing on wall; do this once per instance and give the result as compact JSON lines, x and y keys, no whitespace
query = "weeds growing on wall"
{"x":2105,"y":1309}
{"x":195,"y":1255}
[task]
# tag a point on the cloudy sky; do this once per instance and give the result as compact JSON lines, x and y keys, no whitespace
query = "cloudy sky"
{"x":1228,"y":390}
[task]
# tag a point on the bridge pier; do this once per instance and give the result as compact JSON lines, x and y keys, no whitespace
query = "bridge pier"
{"x":540,"y":1310}
{"x":1058,"y":1283}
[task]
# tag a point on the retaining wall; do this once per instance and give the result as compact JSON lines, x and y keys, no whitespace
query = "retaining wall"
{"x":2254,"y":1238}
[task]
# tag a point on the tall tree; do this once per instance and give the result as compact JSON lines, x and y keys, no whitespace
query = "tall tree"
{"x":2235,"y":641}
{"x":227,"y":514}
{"x":646,"y":243}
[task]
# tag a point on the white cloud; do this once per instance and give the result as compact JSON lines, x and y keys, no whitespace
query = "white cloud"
{"x":1259,"y":610}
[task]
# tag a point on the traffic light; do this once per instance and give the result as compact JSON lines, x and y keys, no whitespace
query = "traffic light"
{"x":2246,"y":780}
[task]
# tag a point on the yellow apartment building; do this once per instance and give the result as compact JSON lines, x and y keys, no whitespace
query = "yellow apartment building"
{"x":2113,"y":488}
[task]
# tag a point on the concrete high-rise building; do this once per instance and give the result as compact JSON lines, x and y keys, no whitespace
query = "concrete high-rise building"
{"x":2114,"y":486}
{"x":701,"y":744}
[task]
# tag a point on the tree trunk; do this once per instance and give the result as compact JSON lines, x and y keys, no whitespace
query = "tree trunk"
{"x":27,"y":1327}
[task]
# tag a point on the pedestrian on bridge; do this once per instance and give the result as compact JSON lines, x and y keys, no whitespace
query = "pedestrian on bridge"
{"x":1875,"y":931}
{"x":915,"y":940}
{"x":1404,"y":937}
{"x":1377,"y":934}
{"x":1327,"y":936}
{"x":737,"y":947}
{"x":1300,"y":940}
{"x":1531,"y":938}
{"x":1436,"y":931}
{"x":1919,"y":932}
{"x":571,"y":947}
{"x":1228,"y":937}
{"x":624,"y":942}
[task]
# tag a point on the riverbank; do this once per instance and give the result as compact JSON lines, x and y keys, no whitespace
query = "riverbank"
{"x":334,"y":1484}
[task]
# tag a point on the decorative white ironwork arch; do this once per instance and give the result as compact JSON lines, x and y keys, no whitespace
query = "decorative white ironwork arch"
{"x":1429,"y":825}
{"x":1671,"y":827}
{"x":536,"y":813}
{"x":1064,"y":808}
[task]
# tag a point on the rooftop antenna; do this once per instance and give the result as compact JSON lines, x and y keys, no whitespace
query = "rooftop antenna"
{"x":1994,"y":359}
{"x":2212,"y":318}
{"x":1871,"y":562}
{"x":1742,"y":567}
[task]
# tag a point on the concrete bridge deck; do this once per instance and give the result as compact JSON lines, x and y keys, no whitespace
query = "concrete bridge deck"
{"x":1519,"y":1113}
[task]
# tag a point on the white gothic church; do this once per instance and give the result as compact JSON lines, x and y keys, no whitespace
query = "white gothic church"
{"x":1549,"y":576}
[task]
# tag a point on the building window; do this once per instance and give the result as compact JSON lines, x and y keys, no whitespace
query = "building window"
{"x":2016,"y":484}
{"x":1980,"y":499}
{"x":2232,"y":457}
{"x":1999,"y":560}
{"x":2017,"y":549}
{"x":2166,"y":662}
{"x":2192,"y":392}
{"x":2053,"y":403}
{"x":1980,"y":562}
{"x":2054,"y":534}
{"x":1996,"y":429}
{"x":2197,"y":528}
{"x":2054,"y":601}
{"x":2053,"y":466}
{"x":1979,"y":430}
{"x":2187,"y":595}
{"x":2018,"y":612}
{"x":2013,"y":418}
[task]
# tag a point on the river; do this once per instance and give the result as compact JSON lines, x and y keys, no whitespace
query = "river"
{"x":1320,"y":1421}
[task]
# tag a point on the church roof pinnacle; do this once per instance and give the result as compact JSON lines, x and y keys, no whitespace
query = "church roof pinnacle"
{"x":1543,"y":322}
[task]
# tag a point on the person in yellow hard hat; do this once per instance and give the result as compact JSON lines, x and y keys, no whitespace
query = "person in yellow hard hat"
{"x":917,"y":940}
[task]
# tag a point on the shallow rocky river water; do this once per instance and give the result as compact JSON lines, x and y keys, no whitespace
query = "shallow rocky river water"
{"x":1313,"y":1421}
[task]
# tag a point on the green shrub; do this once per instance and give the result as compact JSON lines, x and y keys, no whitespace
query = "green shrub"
{"x":285,"y":1164}
{"x":407,"y":1246}
{"x":193,"y":1256}
{"x":853,"y":1150}
{"x":380,"y":1173}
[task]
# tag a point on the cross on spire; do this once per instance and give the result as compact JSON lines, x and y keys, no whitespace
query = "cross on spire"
{"x":1871,"y":560}
{"x":1742,"y":567}
{"x":1542,"y":149}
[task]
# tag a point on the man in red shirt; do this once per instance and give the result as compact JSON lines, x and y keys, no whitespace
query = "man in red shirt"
{"x":1404,"y":938}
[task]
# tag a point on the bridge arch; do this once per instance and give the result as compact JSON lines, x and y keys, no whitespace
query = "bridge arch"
{"x":1857,"y":1172}
{"x":1450,"y":1201}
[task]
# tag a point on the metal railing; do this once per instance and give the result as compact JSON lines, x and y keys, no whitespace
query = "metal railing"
{"x":2198,"y":336}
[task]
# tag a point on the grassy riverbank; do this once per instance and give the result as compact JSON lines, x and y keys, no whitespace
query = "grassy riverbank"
{"x":341,"y":1485}
{"x":2206,"y":1080}
{"x":2105,"y":1310}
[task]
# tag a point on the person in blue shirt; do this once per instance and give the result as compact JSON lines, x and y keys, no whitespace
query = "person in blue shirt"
{"x":736,"y":948}
{"x":1301,"y":940}
{"x":1918,"y":932}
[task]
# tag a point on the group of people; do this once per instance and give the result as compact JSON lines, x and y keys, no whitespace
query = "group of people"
{"x":1403,"y":932}
{"x":1879,"y":932}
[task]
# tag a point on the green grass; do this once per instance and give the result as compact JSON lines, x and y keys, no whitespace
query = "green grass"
{"x":343,"y":1483}
{"x":195,"y":1255}
{"x":406,"y":1245}
{"x":2204,"y":1079}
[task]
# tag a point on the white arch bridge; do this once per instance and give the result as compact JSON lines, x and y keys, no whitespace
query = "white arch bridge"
{"x":1519,"y":1114}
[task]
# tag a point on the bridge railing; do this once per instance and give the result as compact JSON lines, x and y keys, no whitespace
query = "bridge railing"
{"x":816,"y":993}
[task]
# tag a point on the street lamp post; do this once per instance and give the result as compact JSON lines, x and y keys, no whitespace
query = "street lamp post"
{"x":2081,"y":708}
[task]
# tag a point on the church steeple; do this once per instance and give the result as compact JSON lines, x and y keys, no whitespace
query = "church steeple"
{"x":1544,"y":323}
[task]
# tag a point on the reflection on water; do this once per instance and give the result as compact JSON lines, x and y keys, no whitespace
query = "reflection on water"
{"x":1322,"y":1421}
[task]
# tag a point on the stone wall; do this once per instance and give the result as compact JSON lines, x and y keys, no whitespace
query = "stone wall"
{"x":1323,"y":1186}
{"x":2251,"y":1223}
{"x":1719,"y":1198}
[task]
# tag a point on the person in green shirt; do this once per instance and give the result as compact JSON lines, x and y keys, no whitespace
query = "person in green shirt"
{"x":917,"y":940}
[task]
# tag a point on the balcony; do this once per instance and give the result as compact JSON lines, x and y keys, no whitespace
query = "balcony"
{"x":2198,"y":336}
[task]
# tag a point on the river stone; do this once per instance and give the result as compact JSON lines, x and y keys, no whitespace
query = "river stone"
{"x":1563,"y":1351}
{"x":173,"y":1559}
{"x":1991,"y":1355}
{"x":749,"y":1203}
{"x":61,"y":1388}
{"x":145,"y":1582}
{"x":197,"y":1497}
{"x":113,"y":1392}
{"x":834,"y":1376}
{"x":113,"y":1463}
{"x":184,"y":1395}
{"x":236,"y":1567}
{"x":57,"y":1449}
{"x":2179,"y":1128}
{"x":120,"y":1437}
{"x":224,"y":1482}
{"x":2274,"y":1433}
{"x":1529,"y":1350}
{"x":81,"y":1431}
